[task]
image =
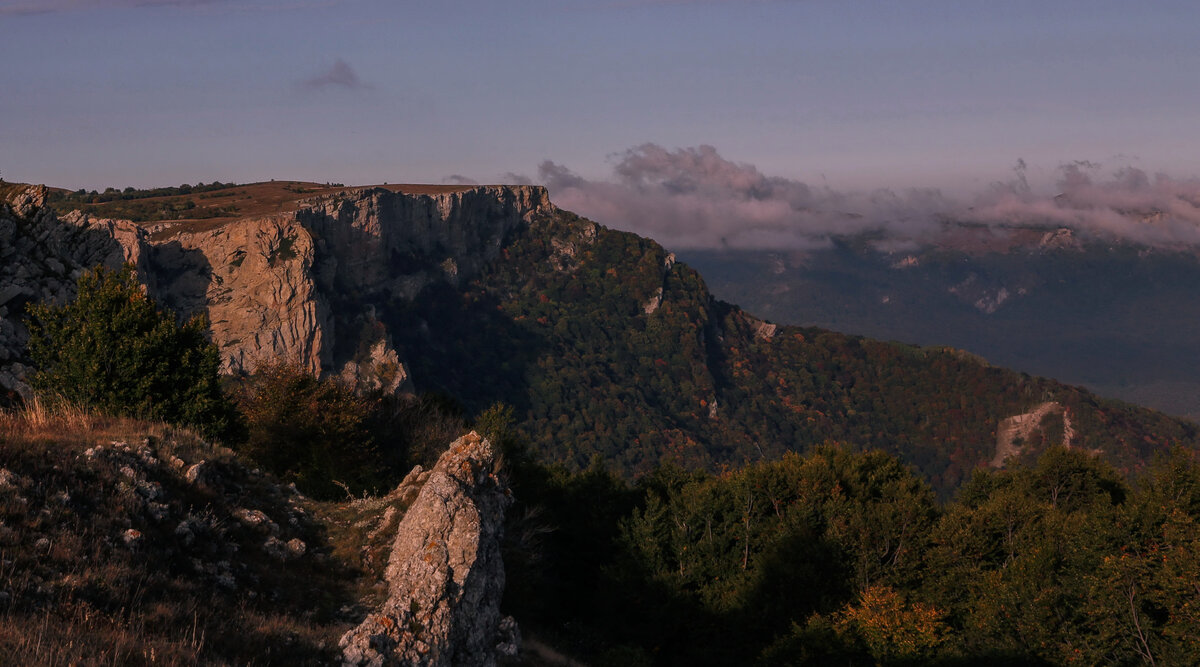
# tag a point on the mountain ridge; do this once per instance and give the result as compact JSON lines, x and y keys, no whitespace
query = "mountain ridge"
{"x":604,"y":345}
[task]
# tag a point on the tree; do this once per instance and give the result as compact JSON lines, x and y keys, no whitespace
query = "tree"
{"x":314,"y":431}
{"x":113,"y":349}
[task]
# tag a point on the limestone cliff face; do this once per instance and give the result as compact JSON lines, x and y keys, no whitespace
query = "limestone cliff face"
{"x":445,"y":575}
{"x":254,"y":280}
{"x":301,"y":286}
{"x":304,"y":286}
{"x":376,"y":240}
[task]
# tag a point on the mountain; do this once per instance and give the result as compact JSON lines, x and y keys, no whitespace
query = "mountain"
{"x":1115,"y":316}
{"x":606,"y":346}
{"x":785,"y":509}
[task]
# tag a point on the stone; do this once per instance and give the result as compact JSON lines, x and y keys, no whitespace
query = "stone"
{"x":445,"y":575}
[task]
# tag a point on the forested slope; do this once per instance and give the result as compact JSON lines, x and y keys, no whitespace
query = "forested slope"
{"x":608,"y":348}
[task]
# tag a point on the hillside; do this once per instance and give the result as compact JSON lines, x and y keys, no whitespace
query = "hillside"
{"x":1115,"y":316}
{"x":128,"y":542}
{"x":135,"y":543}
{"x":608,"y":347}
{"x":604,"y":344}
{"x":792,"y":494}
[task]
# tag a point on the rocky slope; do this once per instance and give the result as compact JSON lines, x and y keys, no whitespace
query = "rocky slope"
{"x":603,"y":344}
{"x":133,"y":543}
{"x":40,"y":257}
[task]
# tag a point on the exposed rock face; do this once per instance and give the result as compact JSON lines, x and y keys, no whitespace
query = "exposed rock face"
{"x":304,"y":286}
{"x":253,"y":278}
{"x":445,"y":575}
{"x":1014,"y":431}
{"x":40,"y":258}
{"x":301,"y":287}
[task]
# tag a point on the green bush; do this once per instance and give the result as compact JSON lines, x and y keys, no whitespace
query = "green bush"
{"x":112,"y":348}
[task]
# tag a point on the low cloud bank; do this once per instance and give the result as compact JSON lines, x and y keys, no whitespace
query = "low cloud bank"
{"x":695,"y":198}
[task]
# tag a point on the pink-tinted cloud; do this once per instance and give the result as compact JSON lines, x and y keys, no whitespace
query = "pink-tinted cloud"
{"x":695,"y":198}
{"x":1161,"y":212}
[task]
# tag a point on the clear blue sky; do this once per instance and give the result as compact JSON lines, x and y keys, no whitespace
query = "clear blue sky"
{"x":861,"y":94}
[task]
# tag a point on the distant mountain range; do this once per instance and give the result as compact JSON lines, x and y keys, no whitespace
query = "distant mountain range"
{"x":1117,"y":317}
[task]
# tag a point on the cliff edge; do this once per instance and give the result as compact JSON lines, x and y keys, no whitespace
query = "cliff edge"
{"x":301,"y":286}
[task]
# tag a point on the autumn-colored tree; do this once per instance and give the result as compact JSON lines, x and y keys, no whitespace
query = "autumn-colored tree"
{"x":892,"y":627}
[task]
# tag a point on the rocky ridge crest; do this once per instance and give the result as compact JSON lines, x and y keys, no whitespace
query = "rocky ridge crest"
{"x":41,"y":256}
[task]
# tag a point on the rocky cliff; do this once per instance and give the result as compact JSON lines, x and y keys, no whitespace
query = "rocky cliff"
{"x":41,"y":255}
{"x":445,"y":575}
{"x":301,"y":286}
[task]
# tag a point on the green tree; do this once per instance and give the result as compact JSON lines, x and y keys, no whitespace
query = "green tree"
{"x":113,"y":349}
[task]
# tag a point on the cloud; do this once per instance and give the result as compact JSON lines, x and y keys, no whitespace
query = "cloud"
{"x":1160,"y":212}
{"x":339,"y":75}
{"x":459,"y":179}
{"x":513,"y":178}
{"x":695,"y":198}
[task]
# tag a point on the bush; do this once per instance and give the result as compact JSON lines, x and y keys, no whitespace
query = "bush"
{"x":313,"y":431}
{"x":113,"y":349}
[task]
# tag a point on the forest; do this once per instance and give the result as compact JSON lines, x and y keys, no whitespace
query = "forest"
{"x":848,"y":558}
{"x":561,"y":329}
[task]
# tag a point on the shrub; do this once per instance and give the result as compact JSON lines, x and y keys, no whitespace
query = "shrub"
{"x":113,"y":349}
{"x":313,"y":431}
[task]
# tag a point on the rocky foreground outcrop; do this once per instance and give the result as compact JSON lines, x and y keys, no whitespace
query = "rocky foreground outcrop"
{"x":445,"y":574}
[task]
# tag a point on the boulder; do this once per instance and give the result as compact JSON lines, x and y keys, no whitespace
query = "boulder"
{"x":445,"y":575}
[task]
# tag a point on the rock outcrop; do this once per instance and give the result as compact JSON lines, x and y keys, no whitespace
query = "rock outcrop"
{"x":1013,"y":432}
{"x":445,"y":575}
{"x":301,"y":286}
{"x":304,"y":286}
{"x":41,"y":255}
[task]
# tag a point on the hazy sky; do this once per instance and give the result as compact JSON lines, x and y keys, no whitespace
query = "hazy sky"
{"x":838,"y":93}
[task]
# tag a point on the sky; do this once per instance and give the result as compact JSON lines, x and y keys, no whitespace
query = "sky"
{"x":934,"y":104}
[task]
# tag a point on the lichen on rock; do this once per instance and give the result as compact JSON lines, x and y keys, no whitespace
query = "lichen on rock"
{"x":445,"y":575}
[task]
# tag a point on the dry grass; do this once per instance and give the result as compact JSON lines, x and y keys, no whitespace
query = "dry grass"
{"x":58,"y":424}
{"x":42,"y":417}
{"x":251,"y":201}
{"x":73,"y":591}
